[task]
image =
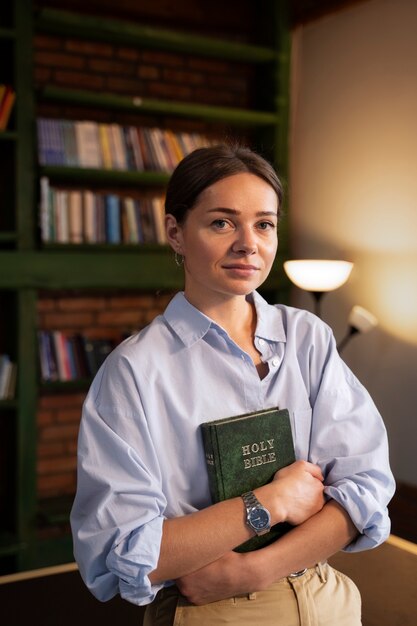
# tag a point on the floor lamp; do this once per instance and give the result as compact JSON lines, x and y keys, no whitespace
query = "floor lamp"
{"x":318,"y":276}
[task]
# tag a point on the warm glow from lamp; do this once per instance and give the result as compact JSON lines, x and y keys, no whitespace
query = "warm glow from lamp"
{"x":318,"y":275}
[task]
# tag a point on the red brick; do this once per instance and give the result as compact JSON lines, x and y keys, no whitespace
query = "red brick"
{"x":61,"y":399}
{"x":92,"y":48}
{"x":162,"y":58}
{"x":72,"y":447}
{"x":81,"y":304}
{"x":183,"y":77}
{"x":47,"y":42}
{"x":148,"y":72}
{"x":45,"y":417}
{"x":131,"y":302}
{"x":59,"y":433}
{"x":238,"y":84}
{"x":210,"y":65}
{"x":51,"y":449}
{"x":79,"y":79}
{"x":56,"y":465}
{"x":174,"y":92}
{"x":104,"y":332}
{"x":124,"y":85}
{"x":68,"y":415}
{"x":47,"y":304}
{"x":60,"y":321}
{"x":214,"y":96}
{"x":108,"y":66}
{"x":59,"y":59}
{"x":129,"y":54}
{"x":121,"y":318}
{"x":42,"y":75}
{"x":58,"y":484}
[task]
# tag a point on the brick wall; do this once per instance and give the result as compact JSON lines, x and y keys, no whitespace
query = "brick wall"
{"x":111,"y":315}
{"x":72,"y":63}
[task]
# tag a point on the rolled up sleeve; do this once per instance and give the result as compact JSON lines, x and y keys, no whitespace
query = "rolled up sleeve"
{"x":349,"y":443}
{"x":118,"y":513}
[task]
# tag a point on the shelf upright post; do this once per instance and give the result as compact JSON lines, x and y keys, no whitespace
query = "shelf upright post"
{"x":282,"y":99}
{"x":25,"y":124}
{"x":26,"y":392}
{"x":26,"y":500}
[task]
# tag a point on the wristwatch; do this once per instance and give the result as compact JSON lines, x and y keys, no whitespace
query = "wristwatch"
{"x":257,"y":516}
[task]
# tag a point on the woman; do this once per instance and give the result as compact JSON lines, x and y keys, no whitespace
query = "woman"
{"x":142,"y":517}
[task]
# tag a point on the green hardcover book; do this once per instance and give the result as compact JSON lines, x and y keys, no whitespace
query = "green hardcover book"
{"x":244,"y":452}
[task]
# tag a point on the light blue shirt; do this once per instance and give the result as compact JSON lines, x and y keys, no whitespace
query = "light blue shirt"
{"x":140,"y":452}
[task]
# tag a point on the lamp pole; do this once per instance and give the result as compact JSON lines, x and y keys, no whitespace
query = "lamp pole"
{"x":317,"y":295}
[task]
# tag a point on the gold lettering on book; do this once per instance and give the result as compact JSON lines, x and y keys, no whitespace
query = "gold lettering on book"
{"x":263,"y":447}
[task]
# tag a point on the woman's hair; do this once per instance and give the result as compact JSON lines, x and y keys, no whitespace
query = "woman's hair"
{"x":206,"y":166}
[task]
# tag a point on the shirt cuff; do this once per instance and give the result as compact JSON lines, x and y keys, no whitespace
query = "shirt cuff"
{"x":370,"y":519}
{"x":134,"y":558}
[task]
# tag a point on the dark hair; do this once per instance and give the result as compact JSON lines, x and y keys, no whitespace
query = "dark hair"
{"x":205,"y":166}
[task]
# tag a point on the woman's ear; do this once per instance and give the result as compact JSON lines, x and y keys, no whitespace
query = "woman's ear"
{"x":174,"y":233}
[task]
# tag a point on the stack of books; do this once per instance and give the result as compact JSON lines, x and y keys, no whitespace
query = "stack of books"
{"x":7,"y":98}
{"x":86,"y":217}
{"x":65,"y":357}
{"x":95,"y":145}
{"x":8,"y":371}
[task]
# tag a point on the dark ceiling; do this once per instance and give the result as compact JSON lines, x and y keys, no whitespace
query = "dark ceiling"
{"x":305,"y":10}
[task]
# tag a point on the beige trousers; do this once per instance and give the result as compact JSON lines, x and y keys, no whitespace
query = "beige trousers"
{"x":320,"y":597}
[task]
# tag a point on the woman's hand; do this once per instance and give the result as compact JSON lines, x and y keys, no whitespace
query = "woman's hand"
{"x":295,"y":494}
{"x":221,"y":579}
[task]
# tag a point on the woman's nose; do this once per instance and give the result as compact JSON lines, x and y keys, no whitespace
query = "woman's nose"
{"x":245,"y":242}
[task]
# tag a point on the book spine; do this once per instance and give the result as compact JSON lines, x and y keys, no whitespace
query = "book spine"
{"x":6,"y":107}
{"x":113,"y":230}
{"x":212,"y":457}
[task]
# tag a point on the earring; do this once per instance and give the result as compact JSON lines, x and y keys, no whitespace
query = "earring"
{"x":179,"y":259}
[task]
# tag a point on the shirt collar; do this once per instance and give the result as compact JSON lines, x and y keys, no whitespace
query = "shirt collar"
{"x":191,"y":325}
{"x":269,"y":324}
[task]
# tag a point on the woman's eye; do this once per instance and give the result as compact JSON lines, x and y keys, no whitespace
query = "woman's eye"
{"x":266,"y":225}
{"x":221,"y":224}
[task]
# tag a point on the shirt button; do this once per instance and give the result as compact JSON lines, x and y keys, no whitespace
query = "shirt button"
{"x":261,"y":342}
{"x":275,"y":362}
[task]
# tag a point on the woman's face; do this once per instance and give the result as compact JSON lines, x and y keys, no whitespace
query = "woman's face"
{"x":228,"y":239}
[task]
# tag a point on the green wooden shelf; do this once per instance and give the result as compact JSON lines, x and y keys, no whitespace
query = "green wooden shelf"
{"x":104,"y":247}
{"x":90,"y":176}
{"x":9,"y":545}
{"x":235,"y":116}
{"x":142,"y":269}
{"x":100,"y":29}
{"x":8,"y":237}
{"x":8,"y":405}
{"x":8,"y":135}
{"x":7,"y":33}
{"x":66,"y":386}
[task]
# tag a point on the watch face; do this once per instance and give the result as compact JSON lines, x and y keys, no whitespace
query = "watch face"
{"x":259,"y":518}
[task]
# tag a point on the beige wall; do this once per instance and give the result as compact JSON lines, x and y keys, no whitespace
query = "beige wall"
{"x":353,"y":192}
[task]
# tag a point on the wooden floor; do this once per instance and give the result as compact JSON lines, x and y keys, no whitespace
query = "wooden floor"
{"x":403,"y":512}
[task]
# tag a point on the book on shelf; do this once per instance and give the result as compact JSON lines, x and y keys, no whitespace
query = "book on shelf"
{"x":244,"y":452}
{"x":67,"y":356}
{"x":88,"y":144}
{"x":8,"y":373}
{"x":113,"y":231}
{"x":7,"y":99}
{"x":87,"y":140}
{"x":83,"y":216}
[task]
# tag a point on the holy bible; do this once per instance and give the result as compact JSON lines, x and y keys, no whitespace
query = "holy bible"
{"x":244,"y":452}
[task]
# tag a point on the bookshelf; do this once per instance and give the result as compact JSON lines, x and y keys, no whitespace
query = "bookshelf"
{"x":28,"y":268}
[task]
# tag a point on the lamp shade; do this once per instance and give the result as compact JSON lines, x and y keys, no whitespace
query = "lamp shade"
{"x":362,"y":320}
{"x":318,"y":275}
